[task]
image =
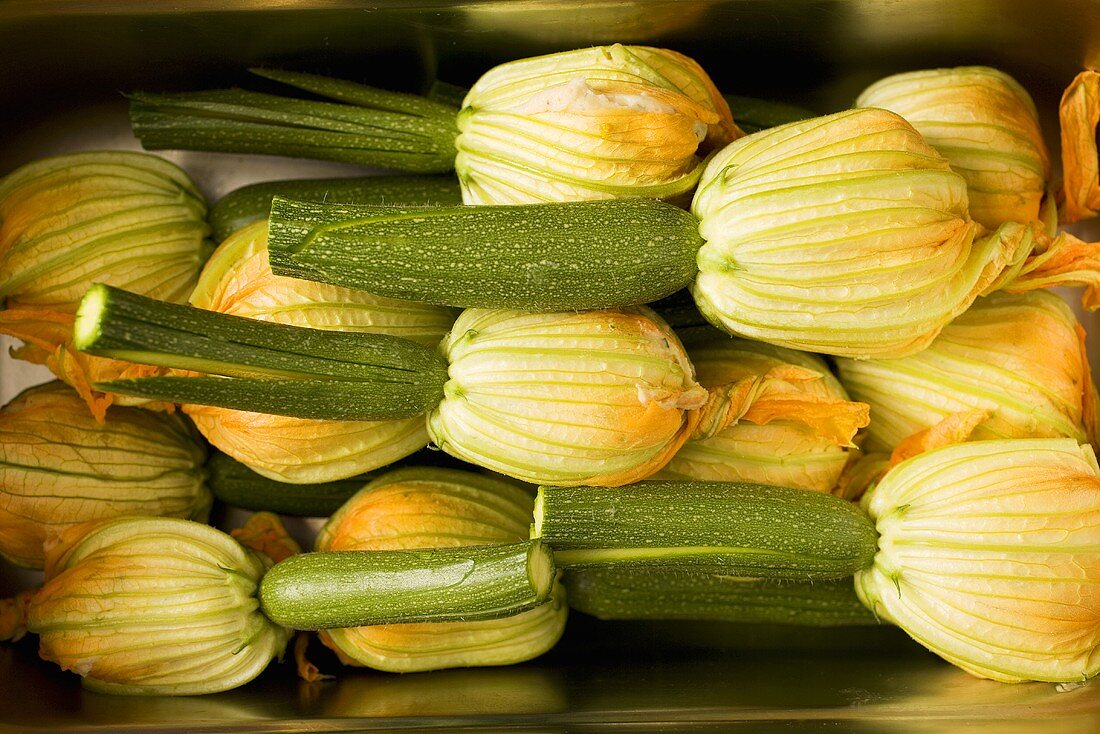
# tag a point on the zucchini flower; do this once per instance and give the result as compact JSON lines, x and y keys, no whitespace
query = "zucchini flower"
{"x":154,"y":606}
{"x":796,"y":432}
{"x":986,"y":126}
{"x":423,"y":508}
{"x":989,"y":555}
{"x":60,"y":467}
{"x":1079,"y":114}
{"x":596,"y":397}
{"x":127,"y":219}
{"x":1018,"y":361}
{"x":849,"y":235}
{"x":238,"y":280}
{"x":598,"y":123}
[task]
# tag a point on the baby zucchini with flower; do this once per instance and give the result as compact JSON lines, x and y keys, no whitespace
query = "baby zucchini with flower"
{"x":411,"y":511}
{"x":597,"y":123}
{"x":845,"y":234}
{"x":987,"y":553}
{"x":591,"y":397}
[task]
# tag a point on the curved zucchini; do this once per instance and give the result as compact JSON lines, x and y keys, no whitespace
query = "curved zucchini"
{"x":727,"y":528}
{"x":252,"y":203}
{"x":355,"y":588}
{"x":544,"y":257}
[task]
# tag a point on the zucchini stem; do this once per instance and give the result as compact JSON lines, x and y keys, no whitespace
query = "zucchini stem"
{"x":274,"y":368}
{"x":358,"y":124}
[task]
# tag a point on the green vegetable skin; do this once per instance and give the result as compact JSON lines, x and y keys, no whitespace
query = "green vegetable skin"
{"x":252,"y":203}
{"x":357,"y":588}
{"x":727,"y":528}
{"x":234,"y":483}
{"x":619,"y":593}
{"x":548,"y":257}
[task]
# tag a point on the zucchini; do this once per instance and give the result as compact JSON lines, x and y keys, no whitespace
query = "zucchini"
{"x":727,"y":528}
{"x":360,"y":124}
{"x":355,"y":588}
{"x":235,"y":484}
{"x":277,"y":369}
{"x":620,"y":593}
{"x":250,"y":204}
{"x":545,"y":257}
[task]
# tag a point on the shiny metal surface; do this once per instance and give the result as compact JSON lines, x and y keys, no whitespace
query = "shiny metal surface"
{"x":64,"y":65}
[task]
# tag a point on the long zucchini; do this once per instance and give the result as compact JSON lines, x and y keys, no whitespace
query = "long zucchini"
{"x":252,"y":203}
{"x":234,"y":483}
{"x":620,"y":593}
{"x":547,"y":257}
{"x":727,"y":528}
{"x":356,"y":588}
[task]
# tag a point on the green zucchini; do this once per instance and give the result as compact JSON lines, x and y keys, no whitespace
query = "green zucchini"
{"x":277,"y":369}
{"x":250,"y":204}
{"x":360,"y":124}
{"x":356,"y":588}
{"x":727,"y":528}
{"x":235,"y":484}
{"x":621,"y":593}
{"x":546,"y":257}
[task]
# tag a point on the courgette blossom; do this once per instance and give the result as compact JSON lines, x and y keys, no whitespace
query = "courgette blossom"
{"x":1018,"y":360}
{"x":850,"y":235}
{"x":597,"y":123}
{"x":60,"y":467}
{"x":127,"y":219}
{"x":989,"y":555}
{"x":154,"y":606}
{"x":798,"y":430}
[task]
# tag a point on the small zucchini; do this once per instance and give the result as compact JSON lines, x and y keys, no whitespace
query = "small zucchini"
{"x":355,"y":588}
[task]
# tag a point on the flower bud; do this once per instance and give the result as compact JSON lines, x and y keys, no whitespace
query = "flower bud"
{"x":989,"y":555}
{"x":597,"y":123}
{"x":439,"y":508}
{"x":595,"y":397}
{"x":238,"y":280}
{"x":796,"y":432}
{"x":59,"y":467}
{"x":1020,"y":359}
{"x":845,"y":234}
{"x":131,"y":220}
{"x":986,"y":126}
{"x":154,"y":606}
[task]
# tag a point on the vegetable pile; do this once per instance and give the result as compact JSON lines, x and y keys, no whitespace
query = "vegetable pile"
{"x":620,"y":321}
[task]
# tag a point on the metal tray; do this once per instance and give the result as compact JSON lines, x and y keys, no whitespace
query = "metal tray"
{"x":65,"y":64}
